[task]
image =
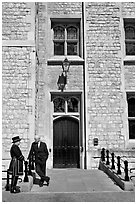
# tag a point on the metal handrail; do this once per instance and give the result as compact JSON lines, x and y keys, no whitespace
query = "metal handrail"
{"x":20,"y":179}
{"x":132,"y":169}
{"x":119,"y":166}
{"x":120,"y":159}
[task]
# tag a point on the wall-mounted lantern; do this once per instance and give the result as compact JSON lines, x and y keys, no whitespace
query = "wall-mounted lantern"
{"x":62,"y":80}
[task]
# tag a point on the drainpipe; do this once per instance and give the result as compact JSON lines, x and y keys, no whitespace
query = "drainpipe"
{"x":84,"y":83}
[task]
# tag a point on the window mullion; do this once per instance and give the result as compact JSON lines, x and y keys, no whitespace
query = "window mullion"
{"x":66,"y":107}
{"x":65,"y":47}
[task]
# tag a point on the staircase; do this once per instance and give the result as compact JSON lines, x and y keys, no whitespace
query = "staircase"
{"x":73,"y":185}
{"x":77,"y":180}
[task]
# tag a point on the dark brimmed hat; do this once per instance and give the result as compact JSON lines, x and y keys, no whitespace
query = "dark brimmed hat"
{"x":16,"y":139}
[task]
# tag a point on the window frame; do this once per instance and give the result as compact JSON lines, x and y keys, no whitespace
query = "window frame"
{"x":66,"y":112}
{"x":130,"y":95}
{"x":129,"y":22}
{"x":66,"y":25}
{"x":64,"y":104}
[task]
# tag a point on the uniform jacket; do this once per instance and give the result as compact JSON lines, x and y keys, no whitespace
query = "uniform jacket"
{"x":16,"y":164}
{"x":40,"y":154}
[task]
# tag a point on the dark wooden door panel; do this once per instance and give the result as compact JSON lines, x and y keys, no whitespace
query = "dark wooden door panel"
{"x":66,"y":143}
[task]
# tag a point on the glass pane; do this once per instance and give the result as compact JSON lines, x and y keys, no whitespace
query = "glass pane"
{"x":131,"y":107}
{"x":130,"y":32}
{"x":72,"y":33}
{"x":59,"y":48}
{"x":130,"y":48}
{"x":59,"y":33}
{"x":131,"y":129}
{"x":59,"y":105}
{"x":71,"y":48}
{"x":72,"y":105}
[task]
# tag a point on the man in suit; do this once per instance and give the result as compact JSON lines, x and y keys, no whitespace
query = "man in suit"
{"x":16,"y":164}
{"x":40,"y":154}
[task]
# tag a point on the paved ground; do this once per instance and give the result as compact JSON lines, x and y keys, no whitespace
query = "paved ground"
{"x":73,"y":185}
{"x":77,"y":180}
{"x":70,"y":197}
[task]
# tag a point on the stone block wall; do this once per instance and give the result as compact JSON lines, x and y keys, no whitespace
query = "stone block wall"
{"x":128,"y":9}
{"x":105,"y":85}
{"x":16,"y":65}
{"x":104,"y":74}
{"x":129,"y":77}
{"x":60,"y":8}
{"x":15,"y":27}
{"x":48,"y":72}
{"x":30,"y":74}
{"x":18,"y":75}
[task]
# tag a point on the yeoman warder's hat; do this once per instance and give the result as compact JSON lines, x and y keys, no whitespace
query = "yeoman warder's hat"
{"x":16,"y":139}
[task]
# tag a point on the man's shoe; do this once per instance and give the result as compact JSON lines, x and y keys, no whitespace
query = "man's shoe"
{"x":17,"y":188}
{"x":40,"y":183}
{"x":47,"y":180}
{"x":14,"y":190}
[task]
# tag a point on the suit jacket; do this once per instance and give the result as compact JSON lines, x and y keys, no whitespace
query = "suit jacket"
{"x":39,"y":154}
{"x":16,"y":164}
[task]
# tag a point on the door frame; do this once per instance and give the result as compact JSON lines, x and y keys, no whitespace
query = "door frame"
{"x":70,"y":117}
{"x":78,"y":94}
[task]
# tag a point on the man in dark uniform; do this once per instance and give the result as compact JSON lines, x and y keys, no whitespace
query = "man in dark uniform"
{"x":40,"y":154}
{"x":16,"y":164}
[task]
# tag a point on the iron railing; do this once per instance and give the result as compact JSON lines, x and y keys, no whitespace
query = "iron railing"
{"x":105,"y":157}
{"x":27,"y":172}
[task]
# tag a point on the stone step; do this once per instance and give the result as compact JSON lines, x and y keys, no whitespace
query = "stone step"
{"x":118,"y":178}
{"x":110,"y":196}
{"x":77,"y":180}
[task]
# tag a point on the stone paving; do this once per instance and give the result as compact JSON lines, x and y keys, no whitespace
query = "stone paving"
{"x":77,"y":180}
{"x":73,"y":185}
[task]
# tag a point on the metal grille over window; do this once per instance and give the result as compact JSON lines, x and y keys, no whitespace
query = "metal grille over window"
{"x":59,"y":36}
{"x":71,"y":33}
{"x":131,"y":107}
{"x":72,"y":41}
{"x":72,"y":48}
{"x":59,"y":48}
{"x":130,"y":32}
{"x":66,"y":39}
{"x":130,"y":36}
{"x":131,"y":115}
{"x":72,"y":105}
{"x":59,"y":105}
{"x":59,"y":33}
{"x":66,"y":105}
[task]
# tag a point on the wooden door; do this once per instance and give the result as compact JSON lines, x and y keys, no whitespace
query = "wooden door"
{"x":66,"y":143}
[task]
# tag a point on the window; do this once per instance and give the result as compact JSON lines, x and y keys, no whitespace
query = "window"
{"x":66,"y":39}
{"x":131,"y":114}
{"x":66,"y":105}
{"x":72,"y":105}
{"x":129,"y":25}
{"x":59,"y":105}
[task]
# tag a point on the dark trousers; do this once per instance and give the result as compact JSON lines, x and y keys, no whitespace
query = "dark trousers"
{"x":41,"y":170}
{"x":14,"y":182}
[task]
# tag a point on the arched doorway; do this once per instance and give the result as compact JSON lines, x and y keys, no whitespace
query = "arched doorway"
{"x":66,"y":142}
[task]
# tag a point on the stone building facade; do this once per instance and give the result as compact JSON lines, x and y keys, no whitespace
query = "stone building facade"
{"x":94,"y":109}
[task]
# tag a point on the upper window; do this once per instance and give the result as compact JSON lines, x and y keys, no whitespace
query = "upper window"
{"x":59,"y":105}
{"x":131,"y":114}
{"x":129,"y":25}
{"x":66,"y":39}
{"x":66,"y":105}
{"x":72,"y":105}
